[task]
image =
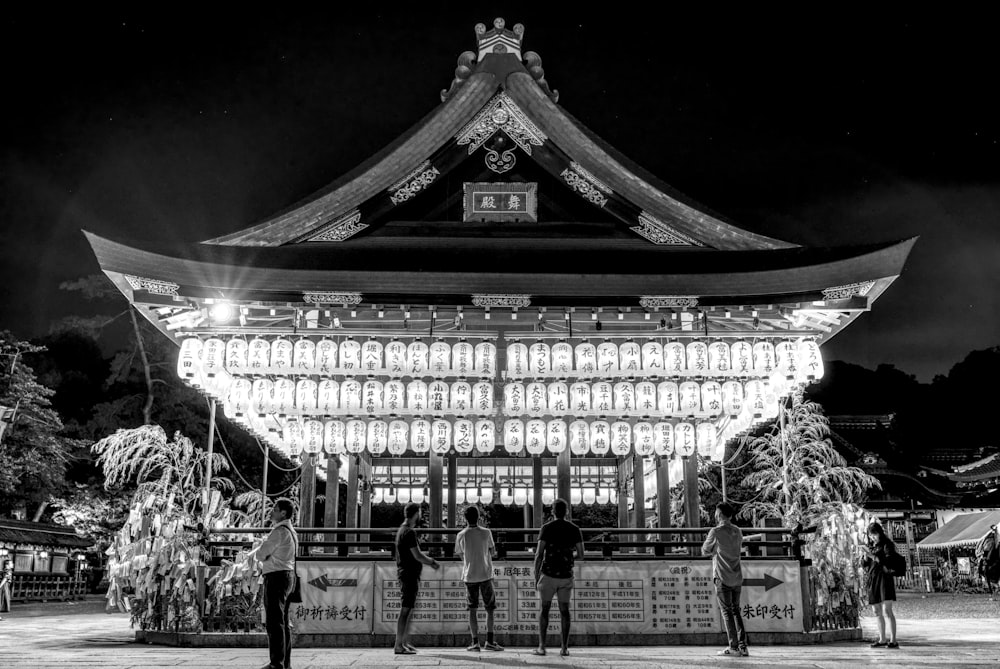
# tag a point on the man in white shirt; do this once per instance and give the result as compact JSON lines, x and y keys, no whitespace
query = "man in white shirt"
{"x":277,"y":555}
{"x":475,"y":545}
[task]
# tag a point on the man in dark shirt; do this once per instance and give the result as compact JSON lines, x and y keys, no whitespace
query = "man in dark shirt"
{"x":554,"y":571}
{"x":409,"y":563}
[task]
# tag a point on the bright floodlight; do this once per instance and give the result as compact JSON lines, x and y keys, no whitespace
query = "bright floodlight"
{"x":221,"y":312}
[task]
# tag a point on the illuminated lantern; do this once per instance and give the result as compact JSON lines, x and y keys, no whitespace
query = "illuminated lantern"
{"x":629,"y":357}
{"x":236,"y":356}
{"x":674,"y":358}
{"x":575,"y":496}
{"x":461,"y":397}
{"x":558,"y":398}
{"x":645,"y":398}
{"x":213,"y":356}
{"x":440,"y":358}
{"x":371,"y":396}
{"x":741,"y":354}
{"x":685,"y":440}
{"x":417,"y":358}
{"x":548,"y":495}
{"x":403,"y":495}
{"x":416,"y":396}
{"x":786,"y":358}
{"x":420,"y":436}
{"x":586,"y":358}
{"x":513,"y":435}
{"x":535,"y":398}
{"x":579,"y":437}
{"x":663,"y":439}
{"x":357,"y":436}
{"x":378,"y":437}
{"x":239,"y":397}
{"x":282,"y":351}
{"x":652,"y":357}
{"x":624,"y":394}
{"x":378,"y":495}
{"x":534,"y":436}
{"x":460,"y":496}
{"x":350,"y":396}
{"x":705,"y":437}
{"x":753,"y":396}
{"x":283,"y":396}
{"x":397,"y":437}
{"x":607,"y":358}
{"x":645,"y":439}
{"x":771,"y":399}
{"x":462,"y":358}
{"x":312,"y":437}
{"x":697,"y":358}
{"x":304,"y":356}
{"x":441,"y":436}
{"x":513,"y":399}
{"x":603,"y":496}
{"x":763,"y":358}
{"x":335,"y":437}
{"x":711,"y":398}
{"x":589,"y":496}
{"x":690,"y":393}
{"x":732,"y":398}
{"x":395,"y":358}
{"x":328,"y":396}
{"x":520,"y":496}
{"x":261,"y":395}
{"x":393,"y":394}
{"x":668,"y":398}
{"x":371,"y":356}
{"x":218,"y":386}
{"x":350,"y":356}
{"x":539,"y":359}
{"x":464,"y":436}
{"x":437,"y":396}
{"x":810,"y":360}
{"x":600,"y":437}
{"x":486,"y":438}
{"x":485,"y":359}
{"x":487,"y":496}
{"x":259,"y":356}
{"x":326,"y":357}
{"x":580,"y":398}
{"x":602,"y":397}
{"x":291,"y":434}
{"x":482,"y":397}
{"x":189,"y":358}
{"x":517,"y":360}
{"x":621,"y":438}
{"x":555,"y":436}
{"x":562,"y":358}
{"x":719,"y":358}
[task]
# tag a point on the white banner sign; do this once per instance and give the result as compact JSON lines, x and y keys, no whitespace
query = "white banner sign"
{"x":336,"y":598}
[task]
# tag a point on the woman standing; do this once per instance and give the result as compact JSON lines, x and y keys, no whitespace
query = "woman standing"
{"x":881,"y":587}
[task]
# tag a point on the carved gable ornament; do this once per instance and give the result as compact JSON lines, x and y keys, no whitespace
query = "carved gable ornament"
{"x":501,"y":114}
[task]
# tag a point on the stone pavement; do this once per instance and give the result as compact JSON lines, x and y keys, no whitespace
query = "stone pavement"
{"x":64,"y":636}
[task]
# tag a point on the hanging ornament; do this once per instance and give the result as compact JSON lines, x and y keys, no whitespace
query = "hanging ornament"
{"x":420,"y":436}
{"x":463,"y":359}
{"x":350,"y":396}
{"x":306,"y":397}
{"x":213,"y":356}
{"x":238,"y":399}
{"x":485,"y":436}
{"x":697,"y":357}
{"x":416,"y":396}
{"x":259,"y":356}
{"x":579,"y":398}
{"x":674,"y":358}
{"x":644,"y":439}
{"x":485,"y":359}
{"x":514,"y":399}
{"x":326,"y":357}
{"x":629,"y":358}
{"x":189,"y":358}
{"x":417,"y":358}
{"x":624,"y":397}
{"x":684,"y":439}
{"x":513,"y":435}
{"x":371,"y":356}
{"x":395,"y":358}
{"x":398,"y":433}
{"x":378,"y":437}
{"x":786,"y":358}
{"x":763,"y":358}
{"x":517,"y":360}
{"x":600,"y":437}
{"x":440,"y":358}
{"x":603,"y":397}
{"x":645,"y":398}
{"x":668,"y":398}
{"x":579,"y":437}
{"x":335,"y":437}
{"x":810,"y":367}
{"x":437,"y":396}
{"x":539,"y":359}
{"x":732,"y":398}
{"x":557,"y":394}
{"x":621,"y":438}
{"x":535,"y":395}
{"x":393,"y":394}
{"x":350,"y":356}
{"x":441,"y":437}
{"x":555,"y":436}
{"x":328,"y":396}
{"x":753,"y":393}
{"x":562,"y":359}
{"x":663,"y":439}
{"x":652,"y":357}
{"x":283,"y":396}
{"x":607,"y":359}
{"x":262,"y":396}
{"x":690,"y":395}
{"x":482,"y":394}
{"x":705,"y":437}
{"x":741,"y":355}
{"x":461,"y":397}
{"x":585,"y":355}
{"x":281,"y":356}
{"x":237,"y":351}
{"x":464,"y":436}
{"x":720,"y":358}
{"x":534,"y":436}
{"x":357,"y":436}
{"x":711,"y":398}
{"x":371,"y":397}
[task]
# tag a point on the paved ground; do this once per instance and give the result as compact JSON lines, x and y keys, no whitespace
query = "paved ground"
{"x":64,"y":635}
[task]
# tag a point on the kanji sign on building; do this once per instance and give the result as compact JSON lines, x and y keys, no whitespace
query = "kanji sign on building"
{"x":512,"y":201}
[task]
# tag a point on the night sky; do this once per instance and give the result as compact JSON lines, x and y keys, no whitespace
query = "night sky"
{"x":820,"y":129}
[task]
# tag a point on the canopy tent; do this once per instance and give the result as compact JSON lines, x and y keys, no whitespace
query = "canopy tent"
{"x":964,"y":530}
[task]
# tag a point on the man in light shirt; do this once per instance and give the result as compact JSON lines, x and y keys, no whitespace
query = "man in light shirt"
{"x":725,"y":543}
{"x":475,"y":545}
{"x":277,"y":555}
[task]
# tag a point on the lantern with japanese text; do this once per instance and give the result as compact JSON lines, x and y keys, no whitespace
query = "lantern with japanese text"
{"x":259,"y":356}
{"x":719,"y":358}
{"x":395,"y":358}
{"x":705,"y":436}
{"x":482,"y":397}
{"x":674,"y":358}
{"x":600,"y":437}
{"x":326,"y":357}
{"x":697,"y":357}
{"x":621,"y":438}
{"x":262,"y":396}
{"x":291,"y":435}
{"x":517,"y":360}
{"x":464,"y":434}
{"x":312,"y":437}
{"x":579,"y":437}
{"x":417,"y":358}
{"x":534,"y":436}
{"x":357,"y":436}
{"x":486,"y":438}
{"x":810,"y":361}
{"x":663,"y":439}
{"x":652,"y":357}
{"x":645,"y":398}
{"x":237,"y":351}
{"x":534,"y":394}
{"x":463,"y":358}
{"x":629,"y":357}
{"x":602,"y":397}
{"x":371,"y":396}
{"x":238,"y":400}
{"x":393,"y":394}
{"x":668,"y":398}
{"x":585,"y":355}
{"x":624,"y":397}
{"x":461,"y":397}
{"x":558,"y":398}
{"x":213,"y":356}
{"x":711,"y":398}
{"x":741,"y":355}
{"x":189,"y":358}
{"x":539,"y":359}
{"x":690,"y":395}
{"x":513,"y":435}
{"x":350,"y":356}
{"x":350,"y":395}
{"x":684,"y":439}
{"x":771,"y":399}
{"x":562,"y":358}
{"x":555,"y":436}
{"x":398,"y":433}
{"x":437,"y":396}
{"x":753,"y":396}
{"x":485,"y":359}
{"x":786,"y":358}
{"x":283,"y":396}
{"x":282,"y":351}
{"x":304,"y":356}
{"x":607,"y":358}
{"x":416,"y":395}
{"x":328,"y":396}
{"x":732,"y":398}
{"x":642,"y":433}
{"x":440,"y":436}
{"x":371,"y":356}
{"x":420,"y":436}
{"x":579,"y":398}
{"x":335,"y":437}
{"x":440,"y":358}
{"x":763,"y":358}
{"x":513,"y":399}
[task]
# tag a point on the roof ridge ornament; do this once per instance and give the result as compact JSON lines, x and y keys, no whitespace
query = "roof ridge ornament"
{"x":499,"y":40}
{"x":848,"y":291}
{"x":659,"y":232}
{"x":586,"y":184}
{"x":344,"y":227}
{"x":152,"y":286}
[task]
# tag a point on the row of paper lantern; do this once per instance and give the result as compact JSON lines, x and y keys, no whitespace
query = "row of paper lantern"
{"x":486,"y":495}
{"x":793,"y":358}
{"x":284,"y":396}
{"x":534,"y":436}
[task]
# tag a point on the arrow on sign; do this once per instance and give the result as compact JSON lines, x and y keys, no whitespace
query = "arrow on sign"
{"x":768,"y":582}
{"x":323,"y":582}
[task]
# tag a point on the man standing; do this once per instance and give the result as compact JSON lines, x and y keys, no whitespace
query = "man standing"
{"x":554,"y":571}
{"x":725,"y":543}
{"x":475,"y":545}
{"x":277,"y":554}
{"x":409,"y":563}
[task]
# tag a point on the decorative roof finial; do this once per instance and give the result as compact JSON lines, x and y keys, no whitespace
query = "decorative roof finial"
{"x":499,"y":40}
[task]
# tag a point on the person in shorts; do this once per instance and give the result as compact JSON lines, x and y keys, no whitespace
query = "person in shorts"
{"x":409,"y":563}
{"x":554,"y":563}
{"x":475,"y":545}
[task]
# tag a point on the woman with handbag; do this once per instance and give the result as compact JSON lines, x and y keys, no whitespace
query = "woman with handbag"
{"x":881,"y":587}
{"x":277,"y":554}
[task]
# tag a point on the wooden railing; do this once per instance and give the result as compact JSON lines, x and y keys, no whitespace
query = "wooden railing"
{"x":25,"y":587}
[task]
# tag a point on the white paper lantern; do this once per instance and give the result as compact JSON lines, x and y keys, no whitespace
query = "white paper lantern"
{"x":440,"y":358}
{"x":629,"y":358}
{"x":607,"y":358}
{"x":741,"y":354}
{"x":237,"y":351}
{"x":786,"y":358}
{"x":485,"y":359}
{"x":326,"y":357}
{"x":417,"y":358}
{"x":293,"y":437}
{"x":711,"y":398}
{"x":652,"y":357}
{"x":464,"y":436}
{"x":753,"y":394}
{"x":262,"y":396}
{"x":517,"y":360}
{"x":513,"y":435}
{"x":555,"y":436}
{"x":621,"y":438}
{"x":189,"y":358}
{"x":732,"y":398}
{"x":562,"y":358}
{"x":398,"y":434}
{"x":395,"y":358}
{"x":482,"y":398}
{"x":350,"y":356}
{"x":576,"y":496}
{"x":304,"y":356}
{"x":420,"y":436}
{"x":600,"y":437}
{"x":557,"y":395}
{"x":771,"y":401}
{"x":810,"y":361}
{"x":371,"y":396}
{"x":602,"y":397}
{"x":462,"y":358}
{"x":403,"y":495}
{"x":690,"y":396}
{"x":674,"y":358}
{"x":579,"y":398}
{"x":416,"y":395}
{"x":213,"y":356}
{"x":585,"y":355}
{"x":579,"y":437}
{"x":763,"y":358}
{"x":437,"y":396}
{"x":535,"y":395}
{"x":624,"y":394}
{"x":645,"y":440}
{"x":357,"y":436}
{"x":668,"y":398}
{"x":603,"y":496}
{"x":441,"y":436}
{"x":393,"y":396}
{"x":328,"y":396}
{"x":720,"y":358}
{"x":534,"y":436}
{"x":312,"y":437}
{"x":461,"y":397}
{"x":217,"y":386}
{"x":335,"y":437}
{"x":390,"y":495}
{"x":589,"y":496}
{"x":539,"y":359}
{"x":259,"y":356}
{"x":685,"y":441}
{"x":514,"y":399}
{"x":520,"y":496}
{"x":487,"y":496}
{"x":705,"y":437}
{"x":697,"y":357}
{"x":238,"y":400}
{"x":350,"y":396}
{"x":283,"y":396}
{"x":663,"y":439}
{"x":282,"y":351}
{"x":645,"y":398}
{"x":371,"y":356}
{"x":378,"y":495}
{"x":378,"y":437}
{"x":485,"y":436}
{"x":548,"y":495}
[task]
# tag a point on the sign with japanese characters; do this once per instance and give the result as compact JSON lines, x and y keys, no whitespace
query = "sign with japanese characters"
{"x":514,"y":201}
{"x":336,"y":598}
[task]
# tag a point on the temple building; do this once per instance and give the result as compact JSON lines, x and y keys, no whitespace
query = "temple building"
{"x":499,"y":306}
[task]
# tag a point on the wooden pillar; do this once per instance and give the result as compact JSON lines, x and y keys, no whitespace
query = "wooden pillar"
{"x":563,"y":475}
{"x":351,"y":512}
{"x":536,"y":489}
{"x":622,"y":482}
{"x":639,"y":486}
{"x":366,"y":497}
{"x":452,"y":489}
{"x":332,"y":508}
{"x":692,"y":500}
{"x":307,"y":491}
{"x":663,"y":492}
